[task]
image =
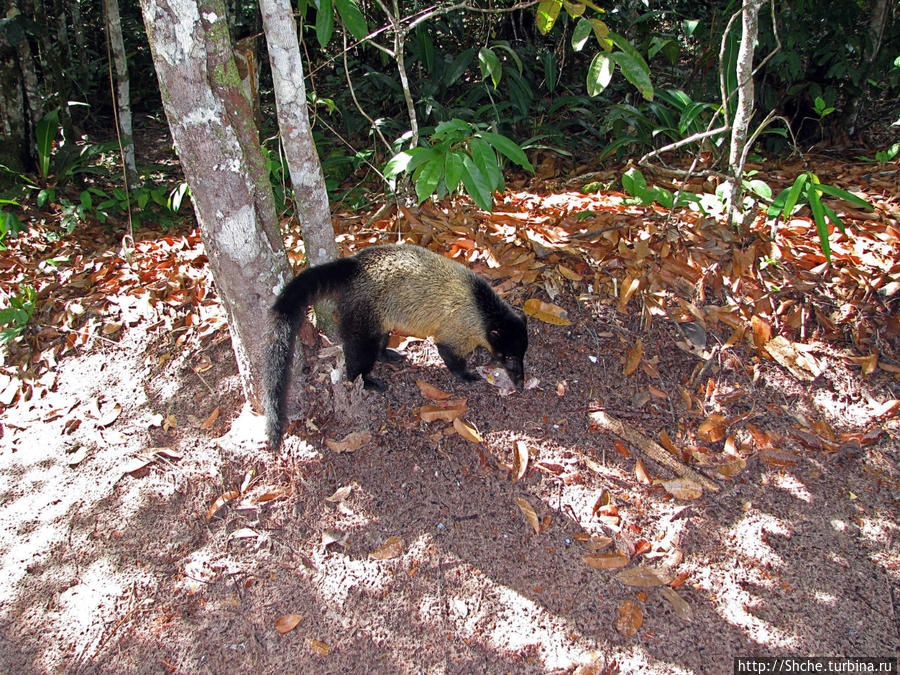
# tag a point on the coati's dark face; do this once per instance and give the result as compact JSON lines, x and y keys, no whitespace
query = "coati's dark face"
{"x":509,"y":343}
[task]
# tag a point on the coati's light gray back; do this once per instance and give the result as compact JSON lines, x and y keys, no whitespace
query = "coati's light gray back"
{"x":420,"y":292}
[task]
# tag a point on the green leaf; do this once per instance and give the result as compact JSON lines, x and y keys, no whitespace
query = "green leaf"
{"x":833,"y":217}
{"x":508,"y":149}
{"x":550,"y":70}
{"x":504,"y":45}
{"x":818,"y":213}
{"x":601,"y":31}
{"x":459,"y":66}
{"x":635,"y":72}
{"x":581,"y":34}
{"x":407,"y":160}
{"x":798,"y":188}
{"x":633,"y":181}
{"x":600,"y":73}
{"x":46,"y":132}
{"x":485,"y":159}
{"x":843,"y":194}
{"x":476,"y":185}
{"x":453,"y":169}
{"x":353,"y":18}
{"x":490,"y":65}
{"x":324,"y":22}
{"x":759,"y":187}
{"x":429,"y":177}
{"x":547,"y":12}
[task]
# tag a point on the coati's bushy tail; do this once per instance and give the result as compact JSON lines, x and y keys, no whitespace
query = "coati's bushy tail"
{"x":287,"y":313}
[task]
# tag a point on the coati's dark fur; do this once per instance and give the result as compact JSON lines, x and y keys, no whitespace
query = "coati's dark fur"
{"x":385,"y":288}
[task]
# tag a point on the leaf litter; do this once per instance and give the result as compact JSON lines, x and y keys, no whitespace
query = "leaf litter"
{"x":754,"y":408}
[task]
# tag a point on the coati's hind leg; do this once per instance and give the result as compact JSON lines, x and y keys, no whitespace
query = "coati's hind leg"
{"x":363,"y":343}
{"x":359,"y":356}
{"x":456,"y":364}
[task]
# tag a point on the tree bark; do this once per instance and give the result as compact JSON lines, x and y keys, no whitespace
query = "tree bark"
{"x":878,"y":20}
{"x":13,"y":124}
{"x":744,"y":111}
{"x":123,"y":95}
{"x":217,"y":143}
{"x":296,"y":136}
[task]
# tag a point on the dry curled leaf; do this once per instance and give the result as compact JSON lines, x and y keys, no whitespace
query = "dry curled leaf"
{"x":520,"y":461}
{"x":220,"y":502}
{"x":391,"y":548}
{"x":546,"y":312}
{"x":433,"y":413}
{"x":340,"y":494}
{"x":318,"y":647}
{"x":633,"y":358}
{"x":641,"y":577}
{"x":679,"y":604}
{"x":432,"y":392}
{"x":529,"y":513}
{"x":640,"y":472}
{"x":630,"y":618}
{"x":683,"y":488}
{"x":712,"y":429}
{"x":211,"y":419}
{"x":350,"y":443}
{"x":605,"y":561}
{"x":467,"y":431}
{"x":287,"y":623}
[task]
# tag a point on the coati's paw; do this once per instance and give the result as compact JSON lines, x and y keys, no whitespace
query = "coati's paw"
{"x":373,"y":383}
{"x":391,"y":356}
{"x":470,"y":376}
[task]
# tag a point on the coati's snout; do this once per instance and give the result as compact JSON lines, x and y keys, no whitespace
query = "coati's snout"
{"x":515,"y":368}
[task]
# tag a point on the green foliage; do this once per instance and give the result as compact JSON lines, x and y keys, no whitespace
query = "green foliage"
{"x":634,"y":183}
{"x":458,"y":154}
{"x":17,"y":313}
{"x":9,"y":222}
{"x":672,"y":117}
{"x":807,"y":189}
{"x":60,"y":159}
{"x":883,"y":156}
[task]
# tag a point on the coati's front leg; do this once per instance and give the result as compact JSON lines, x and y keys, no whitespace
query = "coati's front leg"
{"x":387,"y":354}
{"x":359,"y":358}
{"x":456,"y":364}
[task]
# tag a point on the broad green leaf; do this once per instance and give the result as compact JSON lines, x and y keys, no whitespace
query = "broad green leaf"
{"x":600,"y":73}
{"x":818,"y":213}
{"x":508,"y":149}
{"x":490,"y":65}
{"x":460,"y":63}
{"x":476,"y":185}
{"x":798,"y":188}
{"x":601,"y":30}
{"x":833,"y":217}
{"x":581,"y":34}
{"x":407,"y":160}
{"x":759,"y":187}
{"x":504,"y":44}
{"x":46,"y":132}
{"x":574,"y":9}
{"x":353,"y":18}
{"x":461,"y":128}
{"x":846,"y":196}
{"x":635,"y":72}
{"x":453,"y":168}
{"x":485,"y":159}
{"x":324,"y":22}
{"x":630,"y":49}
{"x":550,"y":69}
{"x":429,"y":177}
{"x":633,"y":181}
{"x":547,"y":11}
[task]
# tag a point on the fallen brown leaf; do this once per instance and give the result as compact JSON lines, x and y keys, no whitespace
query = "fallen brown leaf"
{"x":287,"y":623}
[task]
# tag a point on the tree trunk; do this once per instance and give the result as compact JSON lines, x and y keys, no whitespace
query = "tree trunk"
{"x":878,"y":20}
{"x":13,"y":124}
{"x":296,"y":136}
{"x":217,"y":143}
{"x":744,"y":111}
{"x":123,"y":97}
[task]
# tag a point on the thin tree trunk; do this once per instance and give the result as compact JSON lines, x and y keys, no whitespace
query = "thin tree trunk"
{"x":123,"y":96}
{"x":745,"y":109}
{"x":878,"y":19}
{"x":296,"y":135}
{"x":216,"y":140}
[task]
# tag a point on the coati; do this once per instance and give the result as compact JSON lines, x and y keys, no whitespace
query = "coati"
{"x":396,"y":287}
